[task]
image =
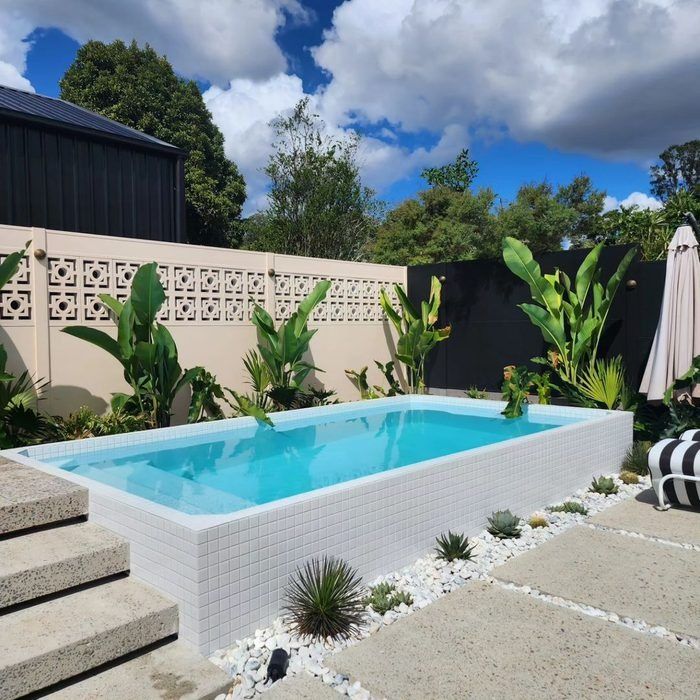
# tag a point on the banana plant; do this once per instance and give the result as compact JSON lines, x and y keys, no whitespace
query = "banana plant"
{"x":571,"y":316}
{"x":283,"y":349}
{"x":145,"y":349}
{"x":417,"y":331}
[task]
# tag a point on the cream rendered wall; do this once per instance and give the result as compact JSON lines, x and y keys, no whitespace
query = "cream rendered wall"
{"x":210,"y":295}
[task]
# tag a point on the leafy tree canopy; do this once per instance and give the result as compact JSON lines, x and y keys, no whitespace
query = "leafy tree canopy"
{"x":678,"y":171}
{"x":138,"y":87}
{"x":317,"y":203}
{"x":458,"y":175}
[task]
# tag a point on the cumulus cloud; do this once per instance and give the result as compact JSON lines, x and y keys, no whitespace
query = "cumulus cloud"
{"x":208,"y":39}
{"x":634,"y":199}
{"x":14,"y":27}
{"x":606,"y":77}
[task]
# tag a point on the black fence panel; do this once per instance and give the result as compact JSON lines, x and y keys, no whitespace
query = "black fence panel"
{"x":489,"y":331}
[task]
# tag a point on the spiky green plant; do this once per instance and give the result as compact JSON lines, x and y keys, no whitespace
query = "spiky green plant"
{"x":635,"y":460}
{"x":454,"y":545}
{"x":324,"y":599}
{"x":603,"y":382}
{"x":537,"y":521}
{"x":475,"y":393}
{"x":504,"y":525}
{"x":569,"y":507}
{"x":629,"y":478}
{"x":384,"y":597}
{"x":604,"y":485}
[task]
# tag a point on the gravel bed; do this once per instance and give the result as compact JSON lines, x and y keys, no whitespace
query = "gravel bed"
{"x":427,"y":579}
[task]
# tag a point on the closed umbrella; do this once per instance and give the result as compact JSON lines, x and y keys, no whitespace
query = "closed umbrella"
{"x":677,"y":339}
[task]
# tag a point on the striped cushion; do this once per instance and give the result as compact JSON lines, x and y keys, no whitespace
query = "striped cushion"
{"x":690,"y":435}
{"x":677,"y":457}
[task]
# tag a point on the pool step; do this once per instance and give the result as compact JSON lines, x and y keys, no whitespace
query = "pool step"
{"x":30,"y":498}
{"x":46,"y":561}
{"x":172,"y":671}
{"x":69,"y":635}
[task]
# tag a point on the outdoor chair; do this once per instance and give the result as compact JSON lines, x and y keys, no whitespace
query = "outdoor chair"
{"x":674,"y":467}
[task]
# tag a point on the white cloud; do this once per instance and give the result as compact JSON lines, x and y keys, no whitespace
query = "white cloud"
{"x":208,"y":39}
{"x":607,"y":77}
{"x":13,"y":49}
{"x":634,"y":199}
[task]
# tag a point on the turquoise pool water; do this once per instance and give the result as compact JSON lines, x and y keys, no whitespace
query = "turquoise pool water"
{"x":220,"y":471}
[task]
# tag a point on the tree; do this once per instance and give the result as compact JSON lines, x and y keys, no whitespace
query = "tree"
{"x":537,"y":218}
{"x":588,"y":203}
{"x":678,"y":171}
{"x":137,"y":87}
{"x":458,"y":175}
{"x":441,"y":225}
{"x":317,"y":204}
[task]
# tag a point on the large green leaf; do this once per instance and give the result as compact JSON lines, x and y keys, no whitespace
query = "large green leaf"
{"x":586,"y":273}
{"x":409,"y":310}
{"x":96,"y":337}
{"x":519,"y":260}
{"x":125,"y":330}
{"x":9,"y":266}
{"x":114,"y":305}
{"x":389,"y":310}
{"x":309,"y":303}
{"x":552,"y":328}
{"x":147,"y":293}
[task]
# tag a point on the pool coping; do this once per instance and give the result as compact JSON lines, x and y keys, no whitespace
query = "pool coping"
{"x":25,"y":455}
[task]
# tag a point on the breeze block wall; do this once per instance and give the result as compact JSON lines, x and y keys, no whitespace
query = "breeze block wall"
{"x":211,"y":294}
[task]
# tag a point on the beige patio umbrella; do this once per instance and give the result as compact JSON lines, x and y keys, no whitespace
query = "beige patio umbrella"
{"x":677,"y":339}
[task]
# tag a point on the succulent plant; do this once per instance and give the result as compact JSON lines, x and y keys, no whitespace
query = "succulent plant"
{"x":538,"y":521}
{"x":604,"y":485}
{"x":324,"y":599}
{"x":569,"y":507}
{"x":504,"y":525}
{"x":636,"y":458}
{"x":384,"y":597}
{"x":454,"y":545}
{"x":629,"y":478}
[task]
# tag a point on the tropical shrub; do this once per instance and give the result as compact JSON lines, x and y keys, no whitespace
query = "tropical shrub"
{"x":604,"y":485}
{"x":144,"y":348}
{"x":569,"y":507}
{"x":635,"y":460}
{"x":282,"y":351}
{"x":417,"y":332}
{"x":206,"y":394}
{"x":384,"y":597}
{"x":85,"y":423}
{"x":504,"y":525}
{"x":453,"y":546}
{"x":516,"y":385}
{"x":324,"y":599}
{"x":359,"y":379}
{"x":570,"y":315}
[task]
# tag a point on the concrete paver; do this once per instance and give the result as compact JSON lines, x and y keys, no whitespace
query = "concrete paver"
{"x":483,"y":641}
{"x":639,"y":515}
{"x":632,"y":577}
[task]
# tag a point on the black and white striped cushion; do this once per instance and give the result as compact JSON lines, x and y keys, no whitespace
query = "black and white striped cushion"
{"x":677,"y":457}
{"x":690,"y":435}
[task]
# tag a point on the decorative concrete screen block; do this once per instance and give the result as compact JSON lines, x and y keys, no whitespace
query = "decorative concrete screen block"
{"x":228,"y":572}
{"x":16,"y":295}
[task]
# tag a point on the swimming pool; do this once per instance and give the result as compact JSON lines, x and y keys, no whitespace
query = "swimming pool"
{"x":219,"y":514}
{"x":232,"y":469}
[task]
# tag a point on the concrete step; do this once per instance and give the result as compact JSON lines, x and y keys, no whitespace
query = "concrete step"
{"x":171,"y":671}
{"x":47,"y":561}
{"x":61,"y":638}
{"x":29,"y":498}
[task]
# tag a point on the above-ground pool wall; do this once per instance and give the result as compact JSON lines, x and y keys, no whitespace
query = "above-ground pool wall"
{"x":230,"y":578}
{"x":210,"y":295}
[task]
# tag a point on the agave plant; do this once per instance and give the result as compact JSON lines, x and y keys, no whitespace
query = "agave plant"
{"x":453,"y":546}
{"x":504,"y":525}
{"x":604,"y":485}
{"x":324,"y":599}
{"x":603,"y":382}
{"x":417,"y":331}
{"x":569,"y":507}
{"x":384,"y":597}
{"x":570,"y":315}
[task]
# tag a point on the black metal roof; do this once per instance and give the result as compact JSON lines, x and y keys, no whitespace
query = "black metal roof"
{"x":62,"y":114}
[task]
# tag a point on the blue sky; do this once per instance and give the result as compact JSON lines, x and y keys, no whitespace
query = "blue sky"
{"x":414,"y":76}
